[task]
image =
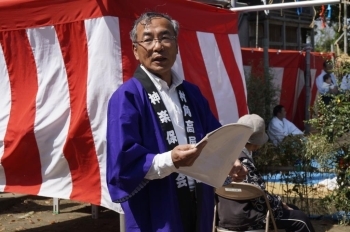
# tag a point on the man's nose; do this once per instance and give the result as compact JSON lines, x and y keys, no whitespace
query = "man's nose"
{"x":157,"y":45}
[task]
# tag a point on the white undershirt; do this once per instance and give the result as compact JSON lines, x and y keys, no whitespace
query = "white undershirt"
{"x":162,"y":164}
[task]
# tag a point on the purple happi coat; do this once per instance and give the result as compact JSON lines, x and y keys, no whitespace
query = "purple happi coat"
{"x":134,"y":137}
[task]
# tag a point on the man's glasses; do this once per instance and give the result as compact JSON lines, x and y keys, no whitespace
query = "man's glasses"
{"x":150,"y":43}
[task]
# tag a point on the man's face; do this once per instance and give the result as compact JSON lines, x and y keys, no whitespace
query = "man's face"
{"x":283,"y":113}
{"x":328,"y":68}
{"x":157,"y":59}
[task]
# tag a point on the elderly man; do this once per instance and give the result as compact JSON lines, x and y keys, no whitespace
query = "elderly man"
{"x":154,"y":120}
{"x":280,"y":127}
{"x":327,"y":69}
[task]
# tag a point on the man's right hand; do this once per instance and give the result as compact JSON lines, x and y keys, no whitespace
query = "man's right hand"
{"x":185,"y":155}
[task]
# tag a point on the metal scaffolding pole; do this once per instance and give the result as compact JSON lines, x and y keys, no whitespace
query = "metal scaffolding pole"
{"x":345,"y":28}
{"x":279,"y":6}
{"x":307,"y":87}
{"x":257,"y":29}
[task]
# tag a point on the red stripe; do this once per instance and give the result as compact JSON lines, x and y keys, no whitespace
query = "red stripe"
{"x":290,"y":62}
{"x":79,"y":149}
{"x":19,"y":14}
{"x":21,"y":159}
{"x":194,"y":67}
{"x":233,"y":72}
{"x":129,"y":63}
{"x":254,"y":58}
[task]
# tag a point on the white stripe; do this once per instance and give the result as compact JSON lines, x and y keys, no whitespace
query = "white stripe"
{"x":247,"y":70}
{"x":177,"y":67}
{"x":313,"y":71}
{"x":236,"y":48}
{"x":299,"y":86}
{"x":104,"y":77}
{"x":53,"y":112}
{"x":277,"y":80}
{"x":5,"y":108}
{"x":225,"y":99}
{"x":312,"y":78}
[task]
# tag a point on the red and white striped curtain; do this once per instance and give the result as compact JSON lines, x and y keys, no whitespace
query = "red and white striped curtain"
{"x":61,"y":60}
{"x":288,"y":69}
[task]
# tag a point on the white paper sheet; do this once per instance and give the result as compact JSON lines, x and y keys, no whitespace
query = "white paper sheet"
{"x":218,"y":156}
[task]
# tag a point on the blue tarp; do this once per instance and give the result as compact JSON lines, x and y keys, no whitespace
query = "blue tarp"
{"x":297,"y":176}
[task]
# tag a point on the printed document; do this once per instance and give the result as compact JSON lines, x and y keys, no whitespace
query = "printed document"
{"x":216,"y":160}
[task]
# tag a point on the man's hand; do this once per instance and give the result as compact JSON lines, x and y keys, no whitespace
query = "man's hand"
{"x":238,"y":172}
{"x":334,"y":90}
{"x":185,"y":155}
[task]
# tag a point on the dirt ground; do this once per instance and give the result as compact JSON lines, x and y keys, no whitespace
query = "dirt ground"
{"x":34,"y":214}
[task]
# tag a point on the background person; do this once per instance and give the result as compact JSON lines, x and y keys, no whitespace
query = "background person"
{"x":327,"y":69}
{"x":251,"y":214}
{"x":345,"y":83}
{"x":153,"y":122}
{"x":280,"y":127}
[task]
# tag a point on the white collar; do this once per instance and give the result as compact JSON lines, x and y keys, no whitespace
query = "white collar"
{"x":159,"y":83}
{"x":279,"y":120}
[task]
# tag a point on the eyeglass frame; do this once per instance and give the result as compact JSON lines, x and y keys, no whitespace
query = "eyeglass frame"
{"x":140,"y":42}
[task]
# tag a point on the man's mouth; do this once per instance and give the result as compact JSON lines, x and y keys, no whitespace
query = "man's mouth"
{"x":159,"y":59}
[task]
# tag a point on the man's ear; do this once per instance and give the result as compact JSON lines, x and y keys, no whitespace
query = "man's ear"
{"x":134,"y":49}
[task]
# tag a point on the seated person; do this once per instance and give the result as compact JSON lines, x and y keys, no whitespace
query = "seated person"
{"x":280,"y":127}
{"x":250,"y":214}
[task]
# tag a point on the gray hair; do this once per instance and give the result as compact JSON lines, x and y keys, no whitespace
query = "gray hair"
{"x":147,"y":17}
